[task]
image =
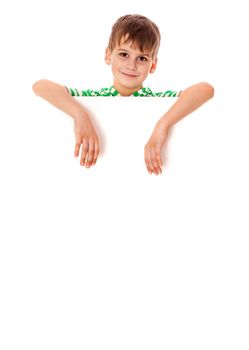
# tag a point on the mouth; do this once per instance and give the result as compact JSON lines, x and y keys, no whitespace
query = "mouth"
{"x":129,"y":75}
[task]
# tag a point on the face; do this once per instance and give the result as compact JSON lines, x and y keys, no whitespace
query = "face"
{"x":130,"y":67}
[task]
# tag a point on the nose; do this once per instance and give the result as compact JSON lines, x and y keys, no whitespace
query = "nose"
{"x":131,"y":64}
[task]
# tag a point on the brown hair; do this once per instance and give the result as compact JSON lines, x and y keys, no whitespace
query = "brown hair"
{"x":140,"y":30}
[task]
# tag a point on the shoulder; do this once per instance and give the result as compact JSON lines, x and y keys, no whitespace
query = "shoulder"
{"x":90,"y":92}
{"x":80,"y":92}
{"x":168,"y":93}
{"x":147,"y":92}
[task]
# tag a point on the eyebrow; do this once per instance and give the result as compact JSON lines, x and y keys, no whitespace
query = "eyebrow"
{"x":140,"y":54}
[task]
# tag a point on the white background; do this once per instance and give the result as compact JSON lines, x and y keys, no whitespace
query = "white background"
{"x":111,"y":257}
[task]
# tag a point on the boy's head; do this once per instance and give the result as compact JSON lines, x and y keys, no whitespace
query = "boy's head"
{"x":138,"y":30}
{"x":132,"y":51}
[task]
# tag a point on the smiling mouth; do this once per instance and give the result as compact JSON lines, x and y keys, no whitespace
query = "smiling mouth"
{"x":129,"y":75}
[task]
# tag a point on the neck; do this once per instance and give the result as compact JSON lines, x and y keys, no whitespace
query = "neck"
{"x":125,"y":91}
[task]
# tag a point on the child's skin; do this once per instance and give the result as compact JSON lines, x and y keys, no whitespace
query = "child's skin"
{"x":130,"y":68}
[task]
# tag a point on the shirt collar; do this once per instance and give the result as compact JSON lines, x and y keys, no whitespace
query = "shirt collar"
{"x":142,"y":92}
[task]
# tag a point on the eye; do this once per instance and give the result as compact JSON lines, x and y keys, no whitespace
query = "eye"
{"x":122,"y":54}
{"x":143,"y":59}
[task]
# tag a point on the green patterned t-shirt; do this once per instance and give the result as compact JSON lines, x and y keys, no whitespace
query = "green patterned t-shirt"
{"x":111,"y":91}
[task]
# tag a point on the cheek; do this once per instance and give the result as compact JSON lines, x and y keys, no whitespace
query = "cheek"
{"x":115,"y":68}
{"x":145,"y":70}
{"x":116,"y":65}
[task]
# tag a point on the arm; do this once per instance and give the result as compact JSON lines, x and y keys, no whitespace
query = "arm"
{"x":85,"y":133}
{"x":190,"y":99}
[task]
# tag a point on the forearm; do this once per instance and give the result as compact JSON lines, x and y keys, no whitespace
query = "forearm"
{"x":190,"y":99}
{"x":58,"y":96}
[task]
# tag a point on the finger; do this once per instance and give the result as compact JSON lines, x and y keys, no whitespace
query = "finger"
{"x":84,"y":151}
{"x":158,"y":158}
{"x":153,"y":162}
{"x":147,"y":163}
{"x":150,"y":163}
{"x":148,"y":168}
{"x":90,"y":154}
{"x":77,"y":148}
{"x":147,"y":159}
{"x":96,"y":153}
{"x":156,"y":167}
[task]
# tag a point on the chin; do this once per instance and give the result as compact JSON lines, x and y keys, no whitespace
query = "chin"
{"x":129,"y":81}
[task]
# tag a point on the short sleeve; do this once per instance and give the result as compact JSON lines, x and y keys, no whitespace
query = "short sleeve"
{"x":78,"y":92}
{"x":147,"y":92}
{"x":168,"y":93}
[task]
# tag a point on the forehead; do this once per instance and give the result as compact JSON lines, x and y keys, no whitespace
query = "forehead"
{"x":131,"y":47}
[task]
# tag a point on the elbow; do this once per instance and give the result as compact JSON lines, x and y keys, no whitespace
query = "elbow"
{"x":36,"y":87}
{"x":208,"y":89}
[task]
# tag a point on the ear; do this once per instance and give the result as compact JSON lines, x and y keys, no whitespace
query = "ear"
{"x":107,"y":56}
{"x":153,"y":66}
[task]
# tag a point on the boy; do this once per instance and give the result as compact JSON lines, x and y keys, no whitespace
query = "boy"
{"x":132,"y":53}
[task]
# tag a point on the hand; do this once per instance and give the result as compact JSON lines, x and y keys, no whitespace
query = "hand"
{"x":152,"y":150}
{"x":86,"y":138}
